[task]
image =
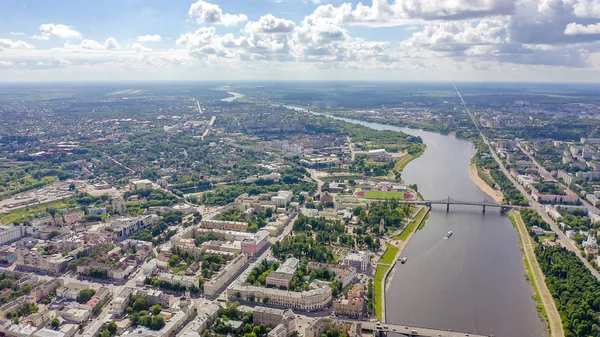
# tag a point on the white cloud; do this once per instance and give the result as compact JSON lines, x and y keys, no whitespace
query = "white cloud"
{"x":111,"y":44}
{"x":587,"y":8}
{"x":6,"y":64}
{"x":205,"y":12}
{"x":268,"y":24}
{"x":49,"y":30}
{"x":15,"y":44}
{"x":382,"y":13}
{"x":87,"y":44}
{"x":149,"y":38}
{"x":577,"y":29}
{"x":17,"y":33}
{"x":138,"y":48}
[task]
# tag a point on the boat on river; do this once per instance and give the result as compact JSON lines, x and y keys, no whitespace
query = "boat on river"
{"x":449,"y":234}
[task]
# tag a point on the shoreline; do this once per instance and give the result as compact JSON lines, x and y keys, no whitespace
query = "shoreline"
{"x":400,"y":245}
{"x":487,"y":189}
{"x":542,"y":295}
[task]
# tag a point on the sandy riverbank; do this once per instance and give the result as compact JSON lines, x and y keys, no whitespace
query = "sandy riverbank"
{"x":497,"y":196}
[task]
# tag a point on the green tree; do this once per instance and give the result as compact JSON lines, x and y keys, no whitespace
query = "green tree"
{"x":156,"y":309}
{"x":85,"y":295}
{"x":55,"y":323}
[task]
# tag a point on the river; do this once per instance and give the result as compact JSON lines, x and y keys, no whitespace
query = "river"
{"x":473,"y":282}
{"x":233,"y":98}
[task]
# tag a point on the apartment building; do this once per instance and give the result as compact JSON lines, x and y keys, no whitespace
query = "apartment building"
{"x":344,"y":274}
{"x":34,"y":260}
{"x":284,"y":274}
{"x":225,"y":275}
{"x":224,"y":225}
{"x":312,"y":300}
{"x":124,"y":228}
{"x":256,"y":243}
{"x":186,"y":281}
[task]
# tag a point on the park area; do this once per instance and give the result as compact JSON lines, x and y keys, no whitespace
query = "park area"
{"x":384,"y":195}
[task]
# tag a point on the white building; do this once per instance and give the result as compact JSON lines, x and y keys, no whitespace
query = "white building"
{"x":359,"y":260}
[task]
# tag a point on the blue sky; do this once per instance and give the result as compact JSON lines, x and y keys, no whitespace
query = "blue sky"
{"x":554,"y":40}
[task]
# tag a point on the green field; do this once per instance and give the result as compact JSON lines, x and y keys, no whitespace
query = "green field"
{"x":384,"y":264}
{"x":23,"y":213}
{"x":419,"y":221}
{"x":384,"y":195}
{"x":402,"y":162}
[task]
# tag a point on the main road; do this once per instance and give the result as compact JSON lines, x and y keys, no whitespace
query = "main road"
{"x":564,"y":240}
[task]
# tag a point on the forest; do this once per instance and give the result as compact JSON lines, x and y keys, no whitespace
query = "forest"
{"x":575,"y":290}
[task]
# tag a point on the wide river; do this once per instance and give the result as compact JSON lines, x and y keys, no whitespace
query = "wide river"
{"x":473,"y":282}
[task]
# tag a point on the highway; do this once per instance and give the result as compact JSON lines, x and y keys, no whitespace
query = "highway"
{"x":564,"y":240}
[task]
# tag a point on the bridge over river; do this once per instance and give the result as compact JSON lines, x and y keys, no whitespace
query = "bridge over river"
{"x":449,"y":201}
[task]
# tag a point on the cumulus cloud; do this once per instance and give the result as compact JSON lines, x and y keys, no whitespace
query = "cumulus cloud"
{"x":207,"y":13}
{"x":139,"y":48}
{"x":382,"y":13}
{"x":49,"y":30}
{"x":14,"y":44}
{"x":453,"y":36}
{"x":6,"y":64}
{"x":87,"y":44}
{"x":587,"y":8}
{"x":269,"y":24}
{"x":149,"y":38}
{"x":17,"y":33}
{"x":577,"y":29}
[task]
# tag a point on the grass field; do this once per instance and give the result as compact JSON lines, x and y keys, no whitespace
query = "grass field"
{"x":419,"y":219}
{"x":384,"y":195}
{"x":21,"y":214}
{"x":384,"y":265}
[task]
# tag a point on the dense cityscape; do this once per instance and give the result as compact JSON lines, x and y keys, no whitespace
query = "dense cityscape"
{"x":217,"y":210}
{"x":300,"y":168}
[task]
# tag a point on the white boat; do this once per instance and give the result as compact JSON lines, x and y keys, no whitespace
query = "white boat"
{"x":449,"y":234}
{"x":403,"y":260}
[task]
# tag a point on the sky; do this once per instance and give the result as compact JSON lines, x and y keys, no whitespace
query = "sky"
{"x":401,"y":40}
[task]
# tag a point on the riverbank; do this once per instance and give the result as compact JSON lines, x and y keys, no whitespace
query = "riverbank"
{"x":536,"y":276}
{"x":405,"y":160}
{"x":394,"y":249}
{"x":487,"y":189}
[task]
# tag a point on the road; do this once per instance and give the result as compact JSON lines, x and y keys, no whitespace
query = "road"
{"x":554,"y":319}
{"x":564,"y":240}
{"x":199,"y":108}
{"x":351,"y":146}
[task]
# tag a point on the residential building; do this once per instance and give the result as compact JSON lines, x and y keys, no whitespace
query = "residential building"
{"x":593,"y":199}
{"x":344,"y":274}
{"x":75,"y":315}
{"x":588,"y":175}
{"x":352,"y":307}
{"x":46,"y":288}
{"x":553,"y":213}
{"x":312,"y":300}
{"x":206,"y":313}
{"x":11,"y":234}
{"x":566,"y":177}
{"x":284,"y":274}
{"x":29,"y":259}
{"x":256,"y":243}
{"x":282,"y":198}
{"x":224,"y":225}
{"x":590,"y":242}
{"x":359,"y":260}
{"x":140,"y":184}
{"x":16,"y":304}
{"x":71,"y":290}
{"x":186,"y":281}
{"x":317,"y":327}
{"x":225,"y":275}
{"x":124,"y":228}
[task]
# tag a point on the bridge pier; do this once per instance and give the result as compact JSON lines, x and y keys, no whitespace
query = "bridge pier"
{"x":448,"y":207}
{"x":483,"y":208}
